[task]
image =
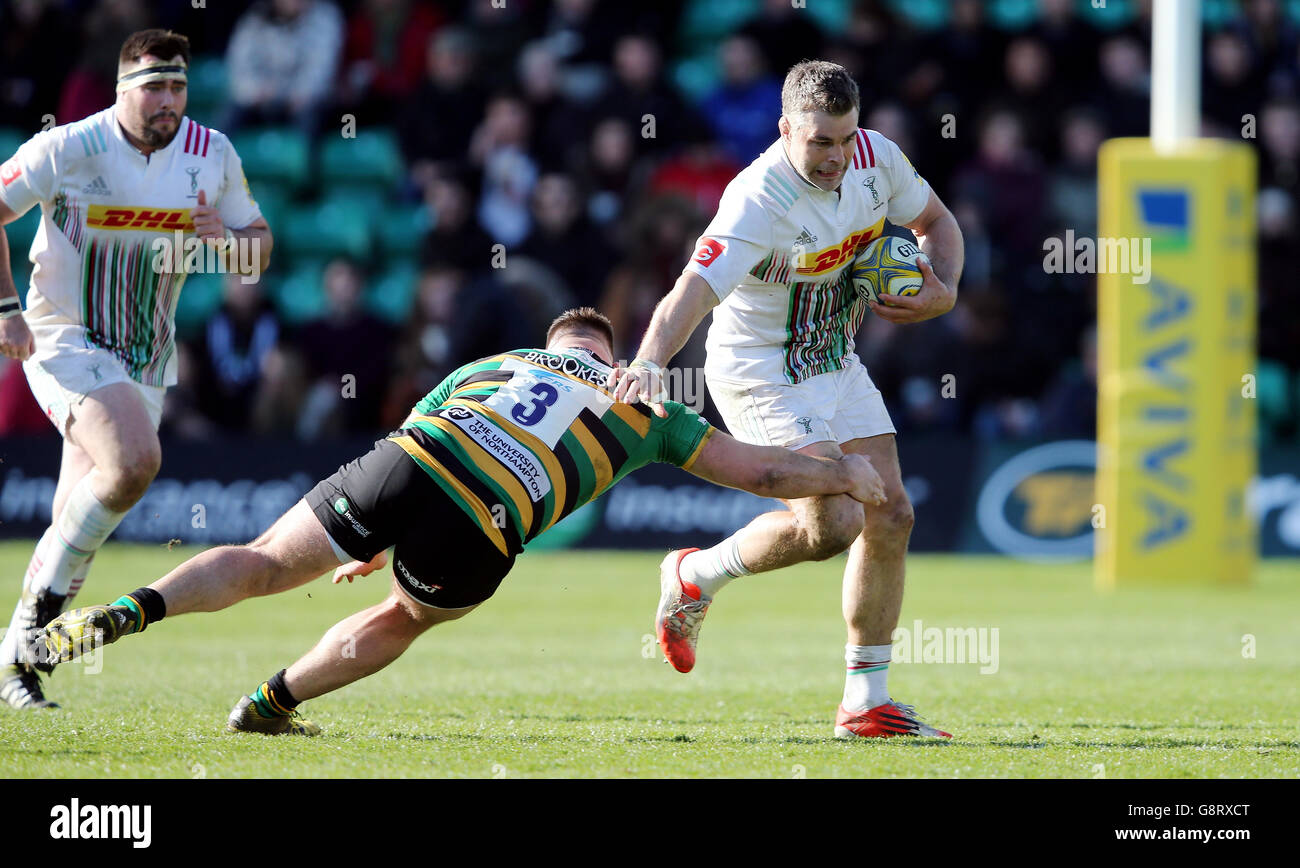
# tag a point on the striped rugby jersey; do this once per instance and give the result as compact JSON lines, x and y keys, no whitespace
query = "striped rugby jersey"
{"x":103,"y":204}
{"x":778,"y":252}
{"x":522,"y":439}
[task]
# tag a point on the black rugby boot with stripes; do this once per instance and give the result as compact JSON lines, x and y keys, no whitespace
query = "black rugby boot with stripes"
{"x":20,"y":687}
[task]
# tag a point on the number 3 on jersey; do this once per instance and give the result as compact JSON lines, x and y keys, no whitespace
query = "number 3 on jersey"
{"x":546,"y":395}
{"x":543,"y":406}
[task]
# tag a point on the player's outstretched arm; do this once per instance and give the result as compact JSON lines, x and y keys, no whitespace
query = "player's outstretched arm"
{"x":773,"y":471}
{"x":675,"y":318}
{"x":16,"y":339}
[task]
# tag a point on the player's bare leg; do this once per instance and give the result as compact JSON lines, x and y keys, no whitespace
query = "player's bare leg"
{"x":355,"y":647}
{"x":110,"y":456}
{"x":114,"y":428}
{"x":872,"y":601}
{"x":873,"y":579}
{"x":812,"y":529}
{"x":292,"y":552}
{"x":364,"y":643}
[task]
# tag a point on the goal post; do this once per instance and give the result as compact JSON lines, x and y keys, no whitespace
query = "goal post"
{"x":1176,"y":344}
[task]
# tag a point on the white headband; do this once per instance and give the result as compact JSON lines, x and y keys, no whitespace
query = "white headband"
{"x":153,"y":72}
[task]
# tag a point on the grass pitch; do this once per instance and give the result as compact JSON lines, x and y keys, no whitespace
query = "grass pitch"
{"x":558,"y":676}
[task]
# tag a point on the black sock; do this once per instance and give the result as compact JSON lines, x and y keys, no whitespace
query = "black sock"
{"x":147,"y":605}
{"x":151,"y":602}
{"x":272,"y":697}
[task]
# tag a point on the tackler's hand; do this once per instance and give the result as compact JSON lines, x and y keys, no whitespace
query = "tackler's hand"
{"x":353,"y":569}
{"x":641,"y":380}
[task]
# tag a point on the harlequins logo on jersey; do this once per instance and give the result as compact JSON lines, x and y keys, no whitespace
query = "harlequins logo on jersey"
{"x":870,"y":184}
{"x":193,"y":172}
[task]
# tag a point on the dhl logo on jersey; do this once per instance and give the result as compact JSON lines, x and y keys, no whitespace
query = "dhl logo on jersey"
{"x":830,"y":258}
{"x":128,"y":218}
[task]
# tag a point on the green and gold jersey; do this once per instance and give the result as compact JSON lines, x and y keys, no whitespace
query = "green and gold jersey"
{"x":522,"y":439}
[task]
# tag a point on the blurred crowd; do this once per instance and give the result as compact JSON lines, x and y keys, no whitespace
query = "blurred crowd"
{"x":585,"y":144}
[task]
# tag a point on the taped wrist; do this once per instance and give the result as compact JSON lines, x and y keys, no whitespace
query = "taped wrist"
{"x":661,"y":392}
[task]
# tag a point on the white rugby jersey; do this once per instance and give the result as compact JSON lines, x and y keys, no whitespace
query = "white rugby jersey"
{"x":778,"y":254}
{"x":103,"y":204}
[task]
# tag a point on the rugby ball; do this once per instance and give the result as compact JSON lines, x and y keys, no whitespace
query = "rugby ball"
{"x":888,"y":265}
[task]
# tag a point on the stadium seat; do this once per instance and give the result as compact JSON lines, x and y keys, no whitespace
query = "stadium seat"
{"x":22,"y":271}
{"x":207,"y":89}
{"x":300,"y":296}
{"x":392,"y":295}
{"x":200,"y":299}
{"x":1013,"y":14}
{"x":400,"y":231}
{"x":371,"y":158}
{"x":696,"y":76}
{"x":275,"y":200}
{"x":1295,"y":407}
{"x":1273,"y":391}
{"x":10,"y":140}
{"x":1216,"y":14}
{"x":324,"y":230}
{"x":1112,"y":16}
{"x":707,"y":22}
{"x":366,"y":200}
{"x":921,"y":14}
{"x":275,"y":153}
{"x":21,"y":232}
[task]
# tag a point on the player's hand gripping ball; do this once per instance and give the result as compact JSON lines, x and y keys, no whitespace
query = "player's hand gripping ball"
{"x":888,"y":265}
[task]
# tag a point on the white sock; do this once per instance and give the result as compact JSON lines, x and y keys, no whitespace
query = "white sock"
{"x":62,"y":557}
{"x":78,"y":579}
{"x":865,"y":681}
{"x":9,"y":647}
{"x":711,"y":569}
{"x":81,"y":529}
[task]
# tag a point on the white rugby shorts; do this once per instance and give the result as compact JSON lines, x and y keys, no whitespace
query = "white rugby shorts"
{"x":838,"y":406}
{"x":65,"y":369}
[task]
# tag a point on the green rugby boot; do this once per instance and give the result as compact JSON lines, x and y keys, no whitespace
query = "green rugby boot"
{"x":246,"y":718}
{"x":79,"y":631}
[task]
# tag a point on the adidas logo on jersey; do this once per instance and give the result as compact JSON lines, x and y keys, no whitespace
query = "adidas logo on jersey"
{"x":805,"y":237}
{"x":97,"y":187}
